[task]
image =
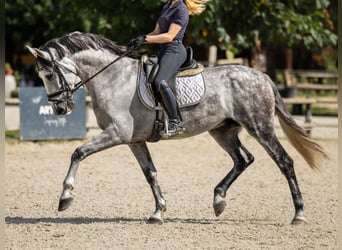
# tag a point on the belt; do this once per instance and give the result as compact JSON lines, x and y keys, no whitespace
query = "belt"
{"x":177,"y":41}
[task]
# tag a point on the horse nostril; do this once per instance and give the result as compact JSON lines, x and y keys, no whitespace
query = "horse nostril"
{"x":60,"y":109}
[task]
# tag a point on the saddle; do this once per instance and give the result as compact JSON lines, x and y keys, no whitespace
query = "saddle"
{"x":188,"y":86}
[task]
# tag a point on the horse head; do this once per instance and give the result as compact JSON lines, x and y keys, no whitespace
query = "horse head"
{"x":59,"y":77}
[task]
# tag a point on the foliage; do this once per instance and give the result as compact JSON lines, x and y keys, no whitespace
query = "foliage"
{"x":229,"y":24}
{"x":284,"y":22}
{"x":36,"y":21}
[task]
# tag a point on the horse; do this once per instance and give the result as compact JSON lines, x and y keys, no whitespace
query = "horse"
{"x":237,"y":97}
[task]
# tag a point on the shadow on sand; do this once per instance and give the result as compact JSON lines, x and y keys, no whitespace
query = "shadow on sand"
{"x":123,"y":220}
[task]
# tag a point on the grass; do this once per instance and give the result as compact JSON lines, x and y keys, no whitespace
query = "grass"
{"x":318,"y":109}
{"x":321,"y":111}
{"x":12,"y":134}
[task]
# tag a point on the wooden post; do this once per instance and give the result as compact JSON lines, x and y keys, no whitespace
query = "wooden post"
{"x":288,"y":67}
{"x":212,"y":56}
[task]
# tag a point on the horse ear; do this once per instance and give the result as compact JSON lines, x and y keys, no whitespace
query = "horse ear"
{"x":38,"y":53}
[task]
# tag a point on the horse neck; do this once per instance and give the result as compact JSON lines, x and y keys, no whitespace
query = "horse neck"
{"x":91,"y":62}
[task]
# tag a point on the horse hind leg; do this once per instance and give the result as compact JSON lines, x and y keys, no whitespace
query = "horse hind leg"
{"x":227,"y":138}
{"x":285,"y":163}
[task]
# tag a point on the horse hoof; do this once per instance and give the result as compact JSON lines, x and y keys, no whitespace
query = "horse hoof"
{"x":155,"y":220}
{"x":299,"y":221}
{"x":64,"y":203}
{"x":219,"y":207}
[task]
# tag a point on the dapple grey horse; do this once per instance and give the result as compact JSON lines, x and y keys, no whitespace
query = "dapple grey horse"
{"x":236,"y":97}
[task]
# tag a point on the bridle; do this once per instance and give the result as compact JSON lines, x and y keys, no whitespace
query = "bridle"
{"x":66,"y":87}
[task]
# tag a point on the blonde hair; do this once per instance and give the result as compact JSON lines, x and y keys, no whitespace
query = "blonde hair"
{"x":195,"y":7}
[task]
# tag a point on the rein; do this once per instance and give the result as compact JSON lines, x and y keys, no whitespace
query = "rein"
{"x":81,"y":83}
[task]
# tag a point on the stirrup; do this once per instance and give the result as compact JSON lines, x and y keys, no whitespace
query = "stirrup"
{"x":172,"y":128}
{"x":175,"y":129}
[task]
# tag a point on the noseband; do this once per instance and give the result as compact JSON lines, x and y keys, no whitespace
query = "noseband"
{"x":66,"y":87}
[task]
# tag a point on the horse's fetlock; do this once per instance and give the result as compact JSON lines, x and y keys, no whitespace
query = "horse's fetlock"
{"x":68,"y":184}
{"x":162,"y":207}
{"x":219,"y":191}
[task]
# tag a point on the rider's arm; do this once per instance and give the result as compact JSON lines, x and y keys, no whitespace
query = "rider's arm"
{"x":156,"y":30}
{"x":156,"y":37}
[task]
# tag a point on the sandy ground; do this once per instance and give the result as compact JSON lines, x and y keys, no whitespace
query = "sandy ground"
{"x":113,"y":200}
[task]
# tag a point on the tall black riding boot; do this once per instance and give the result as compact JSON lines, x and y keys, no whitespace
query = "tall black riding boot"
{"x":170,"y":105}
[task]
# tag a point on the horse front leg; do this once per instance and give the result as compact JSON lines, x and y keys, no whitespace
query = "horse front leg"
{"x":100,"y":142}
{"x":143,"y":156}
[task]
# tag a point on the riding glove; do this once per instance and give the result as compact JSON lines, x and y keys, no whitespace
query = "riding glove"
{"x":135,"y":43}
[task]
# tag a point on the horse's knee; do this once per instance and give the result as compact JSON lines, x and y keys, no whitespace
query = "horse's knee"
{"x":78,"y":155}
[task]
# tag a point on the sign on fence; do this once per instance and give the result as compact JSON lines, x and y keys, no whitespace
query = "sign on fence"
{"x":38,"y":122}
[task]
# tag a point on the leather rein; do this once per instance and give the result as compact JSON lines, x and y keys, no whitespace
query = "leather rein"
{"x":65,"y":86}
{"x":81,"y":83}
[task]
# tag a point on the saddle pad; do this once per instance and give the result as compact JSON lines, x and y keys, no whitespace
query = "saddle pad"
{"x":190,"y":91}
{"x":191,"y":72}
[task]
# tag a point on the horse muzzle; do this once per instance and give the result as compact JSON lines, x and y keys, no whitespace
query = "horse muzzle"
{"x":63,"y":107}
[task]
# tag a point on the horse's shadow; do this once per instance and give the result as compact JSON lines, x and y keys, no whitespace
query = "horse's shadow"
{"x":118,"y":220}
{"x":124,"y":220}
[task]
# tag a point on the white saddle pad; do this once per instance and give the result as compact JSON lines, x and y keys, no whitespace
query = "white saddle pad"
{"x":190,"y":90}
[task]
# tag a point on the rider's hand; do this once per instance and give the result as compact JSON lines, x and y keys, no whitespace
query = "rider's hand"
{"x":135,"y":43}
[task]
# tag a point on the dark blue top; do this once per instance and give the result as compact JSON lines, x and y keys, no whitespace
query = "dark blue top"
{"x":177,"y":14}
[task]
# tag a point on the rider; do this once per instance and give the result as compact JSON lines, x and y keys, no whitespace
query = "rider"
{"x":168,"y":33}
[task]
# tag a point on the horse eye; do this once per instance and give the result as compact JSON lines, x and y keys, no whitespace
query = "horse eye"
{"x":49,"y":76}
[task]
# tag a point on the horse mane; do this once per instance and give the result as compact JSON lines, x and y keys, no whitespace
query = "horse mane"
{"x":78,"y":41}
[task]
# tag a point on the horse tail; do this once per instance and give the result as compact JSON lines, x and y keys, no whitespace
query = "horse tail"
{"x":311,"y":151}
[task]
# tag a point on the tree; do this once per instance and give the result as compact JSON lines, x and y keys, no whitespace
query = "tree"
{"x":230,"y":24}
{"x":36,"y":21}
{"x":287,"y":22}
